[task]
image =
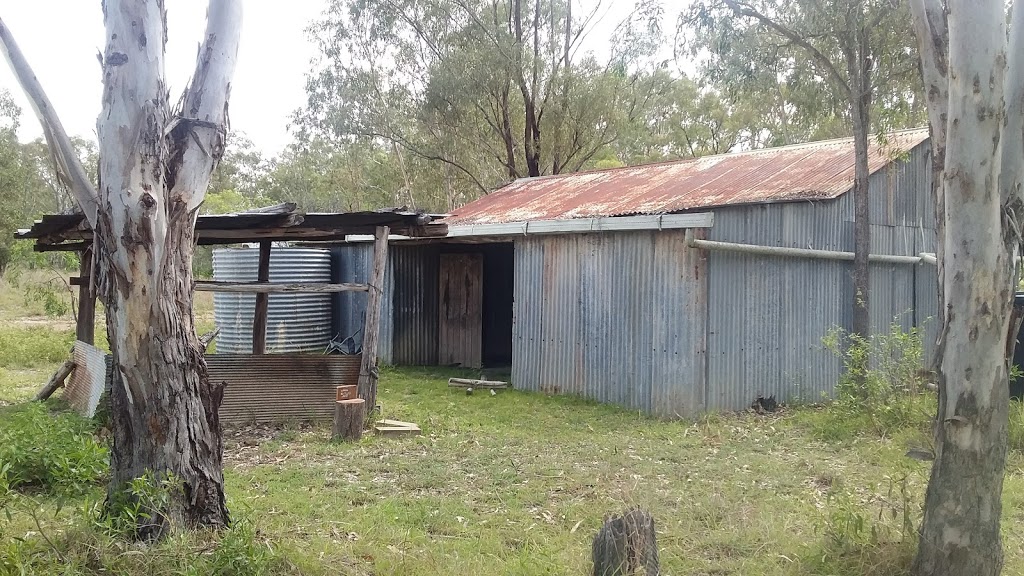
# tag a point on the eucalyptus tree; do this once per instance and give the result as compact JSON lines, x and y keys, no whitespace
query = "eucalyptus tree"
{"x":974,"y":74}
{"x":492,"y":90}
{"x":818,"y":68}
{"x":155,"y":163}
{"x":12,"y":175}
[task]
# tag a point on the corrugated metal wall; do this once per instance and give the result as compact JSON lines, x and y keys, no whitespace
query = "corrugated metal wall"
{"x":353,"y":263}
{"x":767,"y":316}
{"x":617,"y":317}
{"x":414,"y":304}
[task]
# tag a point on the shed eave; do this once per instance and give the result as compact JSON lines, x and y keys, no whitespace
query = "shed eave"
{"x":570,"y":226}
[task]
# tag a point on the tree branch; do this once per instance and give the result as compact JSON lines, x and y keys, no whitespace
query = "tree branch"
{"x":816,"y":55}
{"x":67,"y":166}
{"x":197,"y":136}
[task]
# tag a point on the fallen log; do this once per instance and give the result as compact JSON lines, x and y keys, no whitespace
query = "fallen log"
{"x":56,"y":381}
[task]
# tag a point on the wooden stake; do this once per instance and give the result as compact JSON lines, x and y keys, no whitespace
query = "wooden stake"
{"x":85,"y":327}
{"x":57,"y":380}
{"x":259,"y":320}
{"x":348,"y":419}
{"x":371,"y":331}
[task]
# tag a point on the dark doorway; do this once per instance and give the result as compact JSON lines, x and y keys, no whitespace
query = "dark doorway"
{"x":499,"y":278}
{"x":493,"y":341}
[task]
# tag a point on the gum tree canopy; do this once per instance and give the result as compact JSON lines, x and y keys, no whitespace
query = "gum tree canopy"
{"x":155,"y":164}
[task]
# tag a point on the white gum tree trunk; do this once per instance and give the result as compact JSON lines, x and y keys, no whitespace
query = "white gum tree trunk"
{"x":155,"y":165}
{"x":974,"y":98}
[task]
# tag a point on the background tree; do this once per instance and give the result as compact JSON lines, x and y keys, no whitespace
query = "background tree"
{"x":975,"y":83}
{"x":12,"y":176}
{"x":486,"y":91}
{"x":155,"y":164}
{"x":819,"y":69}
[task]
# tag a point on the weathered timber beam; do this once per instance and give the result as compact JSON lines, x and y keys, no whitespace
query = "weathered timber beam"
{"x":371,"y":328}
{"x":282,"y":208}
{"x":273,"y":288}
{"x":68,"y":247}
{"x":259,"y":318}
{"x":85,"y":322}
{"x":56,"y":381}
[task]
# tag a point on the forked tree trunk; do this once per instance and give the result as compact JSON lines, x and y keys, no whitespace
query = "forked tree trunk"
{"x":155,"y":166}
{"x":981,"y":212}
{"x":154,"y":170}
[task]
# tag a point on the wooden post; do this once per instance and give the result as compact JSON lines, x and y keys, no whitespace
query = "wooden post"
{"x":371,"y":330}
{"x":259,"y":319}
{"x":348,"y":419}
{"x":85,"y":327}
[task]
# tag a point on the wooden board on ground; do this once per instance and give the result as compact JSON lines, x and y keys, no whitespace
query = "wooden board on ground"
{"x":396,"y":428}
{"x":281,"y":387}
{"x":468,"y":383}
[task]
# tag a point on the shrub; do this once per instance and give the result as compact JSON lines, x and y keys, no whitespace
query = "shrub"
{"x":49,"y":451}
{"x":876,"y":539}
{"x":881,"y":389}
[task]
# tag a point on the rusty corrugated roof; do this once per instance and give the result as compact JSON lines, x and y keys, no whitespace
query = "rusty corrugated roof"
{"x":813,"y":171}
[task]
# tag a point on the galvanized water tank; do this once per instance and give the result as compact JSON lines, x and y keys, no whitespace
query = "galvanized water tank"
{"x":295,"y":322}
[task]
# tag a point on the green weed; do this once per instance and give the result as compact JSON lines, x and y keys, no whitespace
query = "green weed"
{"x":881,"y":391}
{"x":30,"y":347}
{"x":49,"y":451}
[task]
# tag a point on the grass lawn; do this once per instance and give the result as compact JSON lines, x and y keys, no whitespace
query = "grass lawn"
{"x":518,"y":483}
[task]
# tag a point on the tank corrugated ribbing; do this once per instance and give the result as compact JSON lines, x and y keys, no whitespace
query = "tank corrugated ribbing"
{"x":295,"y":322}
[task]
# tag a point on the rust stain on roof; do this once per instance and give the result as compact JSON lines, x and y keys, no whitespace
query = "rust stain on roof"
{"x":814,"y":171}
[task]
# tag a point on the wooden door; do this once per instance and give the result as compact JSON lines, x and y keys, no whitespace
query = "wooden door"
{"x":461,"y":320}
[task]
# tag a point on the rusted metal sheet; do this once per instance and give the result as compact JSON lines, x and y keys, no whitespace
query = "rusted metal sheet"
{"x":89,"y":380}
{"x":281,"y":387}
{"x":815,"y":171}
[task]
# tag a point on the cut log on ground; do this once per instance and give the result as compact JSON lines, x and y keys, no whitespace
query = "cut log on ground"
{"x":467,"y":383}
{"x":57,"y":380}
{"x":626,"y":543}
{"x":396,"y":428}
{"x":349,"y":416}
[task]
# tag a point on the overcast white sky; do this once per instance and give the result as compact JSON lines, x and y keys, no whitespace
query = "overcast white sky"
{"x":61,"y":39}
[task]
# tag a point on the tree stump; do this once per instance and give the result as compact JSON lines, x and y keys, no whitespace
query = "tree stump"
{"x":348,"y":419}
{"x":626,"y":543}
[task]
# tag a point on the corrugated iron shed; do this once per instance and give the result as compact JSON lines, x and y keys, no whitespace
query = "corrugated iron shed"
{"x":814,"y":171}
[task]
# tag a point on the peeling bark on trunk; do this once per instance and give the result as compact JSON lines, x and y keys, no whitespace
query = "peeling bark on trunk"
{"x":155,"y":166}
{"x":154,"y":169}
{"x":980,"y":201}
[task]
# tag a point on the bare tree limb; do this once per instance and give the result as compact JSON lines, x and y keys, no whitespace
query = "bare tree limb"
{"x":199,"y":134}
{"x":67,"y":166}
